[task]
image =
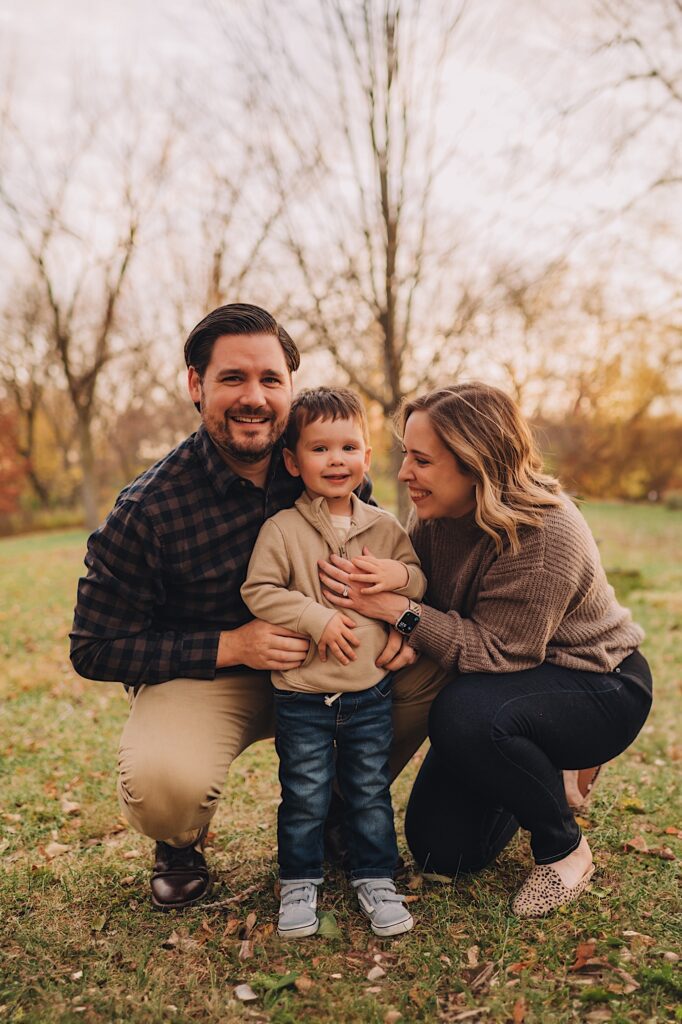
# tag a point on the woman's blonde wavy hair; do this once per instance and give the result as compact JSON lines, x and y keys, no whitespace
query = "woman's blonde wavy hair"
{"x":485,"y":431}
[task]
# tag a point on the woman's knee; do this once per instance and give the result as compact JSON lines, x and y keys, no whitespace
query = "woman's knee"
{"x":460,"y":719}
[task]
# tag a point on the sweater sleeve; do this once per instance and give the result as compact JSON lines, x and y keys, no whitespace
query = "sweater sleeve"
{"x":265,"y":590}
{"x":509,"y":627}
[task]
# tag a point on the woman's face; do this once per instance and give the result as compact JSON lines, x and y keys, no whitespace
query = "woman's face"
{"x":438,"y":487}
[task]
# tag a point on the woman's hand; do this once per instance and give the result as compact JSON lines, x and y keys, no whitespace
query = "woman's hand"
{"x":341,"y":591}
{"x":378,"y":575}
{"x":397,"y":653}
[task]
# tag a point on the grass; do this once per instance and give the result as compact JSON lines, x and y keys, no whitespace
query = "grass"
{"x":79,"y":941}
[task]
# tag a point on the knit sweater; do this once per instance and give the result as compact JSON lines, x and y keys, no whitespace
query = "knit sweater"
{"x":490,"y":612}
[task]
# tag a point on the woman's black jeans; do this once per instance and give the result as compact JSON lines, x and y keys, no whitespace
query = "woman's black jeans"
{"x":499,"y":743}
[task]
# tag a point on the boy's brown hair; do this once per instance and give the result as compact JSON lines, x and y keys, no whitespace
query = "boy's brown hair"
{"x":313,"y":404}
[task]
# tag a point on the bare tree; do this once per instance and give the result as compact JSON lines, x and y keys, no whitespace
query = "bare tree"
{"x":78,"y":220}
{"x":357,"y":159}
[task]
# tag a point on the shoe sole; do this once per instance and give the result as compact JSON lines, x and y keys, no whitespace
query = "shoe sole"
{"x":393,"y":929}
{"x":299,"y":933}
{"x":165,"y":907}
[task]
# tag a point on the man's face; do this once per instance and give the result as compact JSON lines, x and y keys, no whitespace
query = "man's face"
{"x":245,"y":395}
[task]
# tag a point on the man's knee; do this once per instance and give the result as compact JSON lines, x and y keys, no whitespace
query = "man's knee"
{"x":163,"y":797}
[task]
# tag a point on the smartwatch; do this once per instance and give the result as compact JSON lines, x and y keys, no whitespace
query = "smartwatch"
{"x":409,"y":620}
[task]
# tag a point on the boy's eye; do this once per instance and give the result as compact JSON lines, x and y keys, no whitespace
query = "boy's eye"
{"x":319,"y":448}
{"x":349,"y":448}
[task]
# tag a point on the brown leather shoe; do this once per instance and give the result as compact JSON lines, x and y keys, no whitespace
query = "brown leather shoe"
{"x":180,"y":876}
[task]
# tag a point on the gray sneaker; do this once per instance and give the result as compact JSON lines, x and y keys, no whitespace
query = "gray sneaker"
{"x":384,"y":907}
{"x":297,"y":908}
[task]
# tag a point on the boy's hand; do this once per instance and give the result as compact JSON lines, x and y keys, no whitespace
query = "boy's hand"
{"x":382,"y":574}
{"x":338,"y":637}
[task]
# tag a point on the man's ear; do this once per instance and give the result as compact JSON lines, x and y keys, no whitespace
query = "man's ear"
{"x":290,"y":462}
{"x":368,"y":458}
{"x":194,"y":385}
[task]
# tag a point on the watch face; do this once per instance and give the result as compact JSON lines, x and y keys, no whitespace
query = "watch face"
{"x":407,"y":622}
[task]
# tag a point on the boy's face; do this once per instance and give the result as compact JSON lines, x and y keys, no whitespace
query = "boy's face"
{"x":331,"y":458}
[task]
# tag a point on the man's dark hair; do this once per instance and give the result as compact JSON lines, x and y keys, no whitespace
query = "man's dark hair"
{"x":235,"y":318}
{"x":314,"y":404}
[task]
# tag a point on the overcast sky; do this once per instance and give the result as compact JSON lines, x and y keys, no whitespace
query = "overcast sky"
{"x":517,"y":61}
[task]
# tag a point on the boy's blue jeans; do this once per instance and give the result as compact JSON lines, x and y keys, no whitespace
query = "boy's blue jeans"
{"x":357,"y":726}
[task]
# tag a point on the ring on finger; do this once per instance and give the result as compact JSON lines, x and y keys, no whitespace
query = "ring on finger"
{"x":345,"y":591}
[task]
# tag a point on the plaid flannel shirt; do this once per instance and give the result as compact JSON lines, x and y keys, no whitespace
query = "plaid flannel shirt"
{"x":166,"y":566}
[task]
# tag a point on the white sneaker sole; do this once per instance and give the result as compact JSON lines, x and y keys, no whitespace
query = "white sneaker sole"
{"x":298,"y":933}
{"x":399,"y":928}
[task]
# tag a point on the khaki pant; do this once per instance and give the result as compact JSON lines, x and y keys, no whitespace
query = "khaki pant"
{"x":183,"y":735}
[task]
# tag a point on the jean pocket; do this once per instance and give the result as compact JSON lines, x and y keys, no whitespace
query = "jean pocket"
{"x":382,"y":689}
{"x":286,"y":696}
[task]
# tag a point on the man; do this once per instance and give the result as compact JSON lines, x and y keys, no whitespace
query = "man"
{"x":160,"y":608}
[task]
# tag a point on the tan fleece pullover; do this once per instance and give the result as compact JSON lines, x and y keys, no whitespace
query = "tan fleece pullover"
{"x":283,"y":587}
{"x":486,"y":612}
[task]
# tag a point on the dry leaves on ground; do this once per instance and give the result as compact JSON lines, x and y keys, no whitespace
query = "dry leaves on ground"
{"x":638,"y":844}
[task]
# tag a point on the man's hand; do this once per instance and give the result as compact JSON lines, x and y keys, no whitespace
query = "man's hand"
{"x":261,"y":645}
{"x":397,"y":653}
{"x":376,"y":575}
{"x":338,"y":637}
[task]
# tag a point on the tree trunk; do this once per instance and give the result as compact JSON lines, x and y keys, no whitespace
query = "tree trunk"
{"x":402,"y":497}
{"x":88,"y":485}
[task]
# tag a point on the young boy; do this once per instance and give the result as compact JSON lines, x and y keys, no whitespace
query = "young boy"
{"x":342,"y":701}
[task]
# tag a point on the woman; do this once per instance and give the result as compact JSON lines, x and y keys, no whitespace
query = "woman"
{"x":546,"y":672}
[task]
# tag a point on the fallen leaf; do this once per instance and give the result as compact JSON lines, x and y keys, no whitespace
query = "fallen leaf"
{"x":472,"y":956}
{"x":477,"y":977}
{"x":597,"y":1016}
{"x":69,"y":806}
{"x":373,"y":989}
{"x":250,"y":924}
{"x":584,"y":952}
{"x":131,"y":854}
{"x":468,"y":1014}
{"x":328,"y":929}
{"x":232,"y":925}
{"x":375,"y":973}
{"x":415,"y":883}
{"x":303,"y":983}
{"x":245,"y":993}
{"x":411,"y":898}
{"x":633,"y":805}
{"x":392,"y":1016}
{"x":637,"y":843}
{"x":99,"y":922}
{"x":670,"y":956}
{"x":519,"y":1011}
{"x":664,"y":852}
{"x":76,"y":976}
{"x":337,"y":974}
{"x":246,"y":949}
{"x":584,"y":823}
{"x":53,"y":850}
{"x":637,"y":939}
{"x":180,"y":941}
{"x":128,"y":880}
{"x":669,"y":831}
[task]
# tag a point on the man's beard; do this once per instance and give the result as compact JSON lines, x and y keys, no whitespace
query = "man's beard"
{"x":247,"y":451}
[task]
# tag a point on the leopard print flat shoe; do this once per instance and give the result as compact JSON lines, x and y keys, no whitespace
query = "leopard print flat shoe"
{"x":544,"y":891}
